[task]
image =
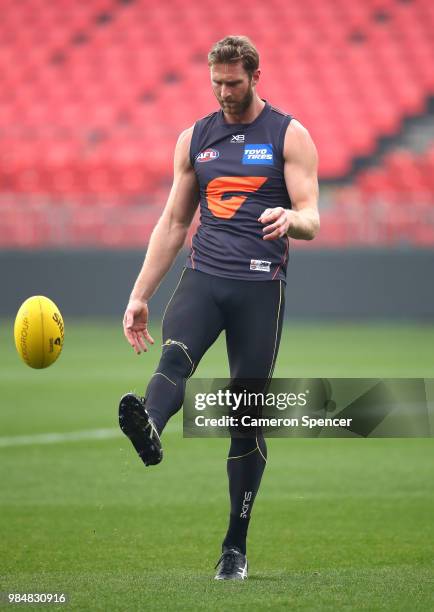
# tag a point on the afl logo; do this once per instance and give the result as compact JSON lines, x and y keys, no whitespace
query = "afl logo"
{"x":207,"y":155}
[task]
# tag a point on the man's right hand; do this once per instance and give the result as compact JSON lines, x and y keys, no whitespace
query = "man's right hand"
{"x":136,"y":325}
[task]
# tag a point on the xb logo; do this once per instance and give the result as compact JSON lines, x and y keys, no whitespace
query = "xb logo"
{"x":238,"y":138}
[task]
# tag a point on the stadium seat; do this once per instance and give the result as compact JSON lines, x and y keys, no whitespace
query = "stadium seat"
{"x":94,"y":95}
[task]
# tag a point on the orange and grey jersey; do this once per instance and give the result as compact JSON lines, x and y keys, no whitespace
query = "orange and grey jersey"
{"x":239,"y":168}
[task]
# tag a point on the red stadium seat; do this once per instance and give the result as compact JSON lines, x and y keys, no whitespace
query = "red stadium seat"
{"x":90,"y":111}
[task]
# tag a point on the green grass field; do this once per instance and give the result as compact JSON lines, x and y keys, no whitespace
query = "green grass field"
{"x":338,"y":524}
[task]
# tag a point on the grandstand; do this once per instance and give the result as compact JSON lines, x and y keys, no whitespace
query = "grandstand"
{"x":93,"y":96}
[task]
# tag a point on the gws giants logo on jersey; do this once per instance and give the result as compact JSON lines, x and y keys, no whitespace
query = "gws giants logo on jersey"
{"x":258,"y":154}
{"x":207,"y":155}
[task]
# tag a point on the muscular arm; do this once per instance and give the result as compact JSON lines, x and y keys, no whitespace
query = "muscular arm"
{"x":166,"y":240}
{"x":300,"y":170}
{"x":171,"y":229}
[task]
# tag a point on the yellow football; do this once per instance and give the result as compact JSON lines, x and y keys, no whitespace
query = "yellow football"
{"x":39,"y":332}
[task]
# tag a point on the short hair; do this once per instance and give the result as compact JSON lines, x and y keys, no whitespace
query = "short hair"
{"x":232,"y":49}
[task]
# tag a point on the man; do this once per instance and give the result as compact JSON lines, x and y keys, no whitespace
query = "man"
{"x":254,"y":171}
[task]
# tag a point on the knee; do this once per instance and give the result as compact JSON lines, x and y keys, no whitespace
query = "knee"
{"x":239,"y":447}
{"x":176,"y":359}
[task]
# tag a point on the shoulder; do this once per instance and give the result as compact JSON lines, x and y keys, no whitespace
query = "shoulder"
{"x":190,"y":140}
{"x":296,"y":132}
{"x":298,"y":142}
{"x":207,"y":118}
{"x":182,"y":148}
{"x":205,"y":124}
{"x":278,"y":112}
{"x":186,"y":136}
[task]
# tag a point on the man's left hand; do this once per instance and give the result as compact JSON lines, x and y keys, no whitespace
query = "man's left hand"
{"x":277,"y":222}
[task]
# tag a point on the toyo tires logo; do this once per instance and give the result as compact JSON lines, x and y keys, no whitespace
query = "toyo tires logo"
{"x":207,"y":155}
{"x":258,"y":154}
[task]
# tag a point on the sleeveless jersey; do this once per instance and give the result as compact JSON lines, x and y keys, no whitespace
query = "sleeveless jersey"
{"x":239,"y":168}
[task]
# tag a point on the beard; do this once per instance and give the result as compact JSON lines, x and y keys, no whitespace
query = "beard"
{"x":237,"y":107}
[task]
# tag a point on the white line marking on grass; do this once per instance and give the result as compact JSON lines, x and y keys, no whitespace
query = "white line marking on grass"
{"x":69,"y":436}
{"x":55,"y":438}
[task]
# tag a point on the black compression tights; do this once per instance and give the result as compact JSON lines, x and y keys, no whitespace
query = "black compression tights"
{"x":250,"y":313}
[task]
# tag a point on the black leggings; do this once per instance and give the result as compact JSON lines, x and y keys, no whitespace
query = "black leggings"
{"x":202,"y":306}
